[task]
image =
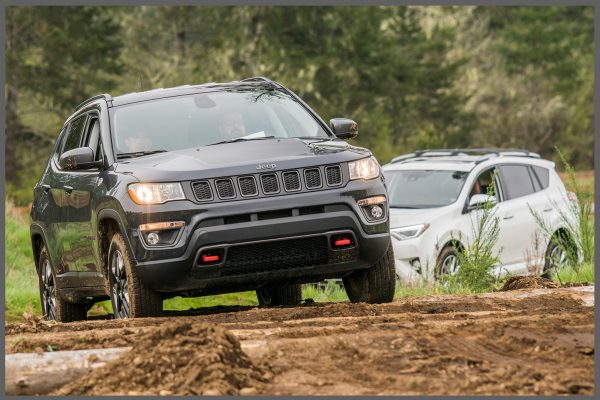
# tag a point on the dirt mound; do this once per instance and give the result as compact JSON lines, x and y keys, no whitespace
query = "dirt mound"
{"x":527,"y":282}
{"x":179,"y":358}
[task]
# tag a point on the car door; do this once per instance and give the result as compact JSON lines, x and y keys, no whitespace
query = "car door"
{"x":487,"y":182}
{"x":64,"y":237}
{"x":49,"y":207}
{"x":518,"y":225}
{"x":84,"y":185}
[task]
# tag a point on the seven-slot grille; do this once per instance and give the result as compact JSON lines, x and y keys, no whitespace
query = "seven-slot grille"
{"x":248,"y":186}
{"x":269,"y":183}
{"x":225,"y":188}
{"x":202,"y":190}
{"x":291,"y":181}
{"x":312,"y":177}
{"x":334,"y":175}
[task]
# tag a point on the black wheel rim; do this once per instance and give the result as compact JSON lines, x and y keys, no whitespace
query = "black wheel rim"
{"x":119,"y":288}
{"x":48,"y":292}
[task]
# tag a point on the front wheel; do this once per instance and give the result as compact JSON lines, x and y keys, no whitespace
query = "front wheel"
{"x":448,"y":262}
{"x":558,"y":254}
{"x":375,"y":284}
{"x":53,"y":307}
{"x":288,"y":295}
{"x":130,"y":298}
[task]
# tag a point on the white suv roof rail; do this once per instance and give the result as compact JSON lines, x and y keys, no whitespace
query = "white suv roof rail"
{"x":484,"y":153}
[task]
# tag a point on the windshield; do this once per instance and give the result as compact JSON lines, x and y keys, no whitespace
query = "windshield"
{"x":424,"y":188}
{"x":207,"y":118}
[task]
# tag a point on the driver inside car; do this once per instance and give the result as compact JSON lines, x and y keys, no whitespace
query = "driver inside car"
{"x":233,"y":126}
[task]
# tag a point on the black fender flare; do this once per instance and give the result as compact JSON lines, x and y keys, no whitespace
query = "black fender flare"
{"x":108,"y":213}
{"x":34,"y":230}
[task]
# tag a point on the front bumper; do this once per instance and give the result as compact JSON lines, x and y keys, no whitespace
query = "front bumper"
{"x":408,"y":252}
{"x":274,"y":223}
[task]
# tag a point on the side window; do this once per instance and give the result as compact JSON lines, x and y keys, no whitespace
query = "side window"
{"x":542,"y":175}
{"x":60,"y":141}
{"x":93,"y":137}
{"x":516,"y":181}
{"x":74,"y":133}
{"x":485,"y":184}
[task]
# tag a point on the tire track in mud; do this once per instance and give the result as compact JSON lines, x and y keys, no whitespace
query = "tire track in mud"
{"x":522,"y":342}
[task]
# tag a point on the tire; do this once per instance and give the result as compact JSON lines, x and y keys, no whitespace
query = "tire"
{"x":557,"y":255}
{"x":288,"y":295}
{"x":448,"y":262}
{"x":375,"y":284}
{"x":129,"y":297}
{"x":53,"y":307}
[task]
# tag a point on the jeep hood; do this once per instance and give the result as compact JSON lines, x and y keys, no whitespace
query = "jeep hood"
{"x":238,"y":158}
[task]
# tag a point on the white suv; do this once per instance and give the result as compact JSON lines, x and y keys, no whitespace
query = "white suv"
{"x":433,"y":195}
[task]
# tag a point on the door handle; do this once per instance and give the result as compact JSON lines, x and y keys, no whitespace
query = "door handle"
{"x":46,"y":188}
{"x":548,"y":209}
{"x":508,"y":216}
{"x":68,"y":189}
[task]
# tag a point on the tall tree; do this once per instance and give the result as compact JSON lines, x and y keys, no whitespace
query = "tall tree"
{"x":62,"y":54}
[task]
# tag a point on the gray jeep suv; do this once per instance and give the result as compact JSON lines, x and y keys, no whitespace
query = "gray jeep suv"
{"x":205,"y":189}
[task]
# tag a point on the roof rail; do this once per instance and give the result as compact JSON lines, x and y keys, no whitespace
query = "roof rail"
{"x":264,"y":79}
{"x":485,"y":153}
{"x":258,"y":78}
{"x":104,"y":96}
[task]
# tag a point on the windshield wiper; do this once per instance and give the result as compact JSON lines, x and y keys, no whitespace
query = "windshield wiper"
{"x":409,"y":207}
{"x":241,"y":139}
{"x":317,"y":139}
{"x":138,"y":153}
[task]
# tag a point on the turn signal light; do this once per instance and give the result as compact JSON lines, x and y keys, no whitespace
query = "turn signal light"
{"x":369,"y":201}
{"x":159,"y":226}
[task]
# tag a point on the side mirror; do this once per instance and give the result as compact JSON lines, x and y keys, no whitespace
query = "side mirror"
{"x":481,"y":200}
{"x":79,"y":158}
{"x":344,"y":128}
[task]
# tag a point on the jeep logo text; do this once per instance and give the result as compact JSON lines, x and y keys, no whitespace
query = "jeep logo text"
{"x":266,"y":166}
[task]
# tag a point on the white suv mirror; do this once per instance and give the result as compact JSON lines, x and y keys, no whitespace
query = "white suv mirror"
{"x":481,"y":200}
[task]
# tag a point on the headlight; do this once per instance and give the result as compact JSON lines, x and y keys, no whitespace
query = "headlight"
{"x":409,"y":232}
{"x":367,"y":168}
{"x":155,"y":193}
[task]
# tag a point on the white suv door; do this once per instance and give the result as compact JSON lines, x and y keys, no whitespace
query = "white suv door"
{"x":518,"y":226}
{"x":506,"y":247}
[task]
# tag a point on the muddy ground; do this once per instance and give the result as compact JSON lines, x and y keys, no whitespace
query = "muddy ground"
{"x":525,"y":341}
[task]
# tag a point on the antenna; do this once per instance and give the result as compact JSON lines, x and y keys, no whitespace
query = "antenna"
{"x":141,"y":83}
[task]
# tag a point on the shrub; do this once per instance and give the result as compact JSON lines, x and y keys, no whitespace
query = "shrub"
{"x":478,"y":259}
{"x":576,"y":217}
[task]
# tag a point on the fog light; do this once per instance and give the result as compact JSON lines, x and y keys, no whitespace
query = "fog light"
{"x":376,"y":212}
{"x":153,"y":238}
{"x":416,"y":264}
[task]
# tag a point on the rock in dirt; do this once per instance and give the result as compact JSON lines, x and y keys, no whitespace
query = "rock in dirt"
{"x":527,"y":282}
{"x":179,"y":358}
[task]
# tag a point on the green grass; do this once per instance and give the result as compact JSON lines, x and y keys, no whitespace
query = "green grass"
{"x":229,"y":299}
{"x":583,"y":273}
{"x":22,"y":291}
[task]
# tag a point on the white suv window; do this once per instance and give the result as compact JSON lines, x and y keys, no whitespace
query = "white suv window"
{"x":516,"y":181}
{"x":484,"y":184}
{"x":542,"y":177}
